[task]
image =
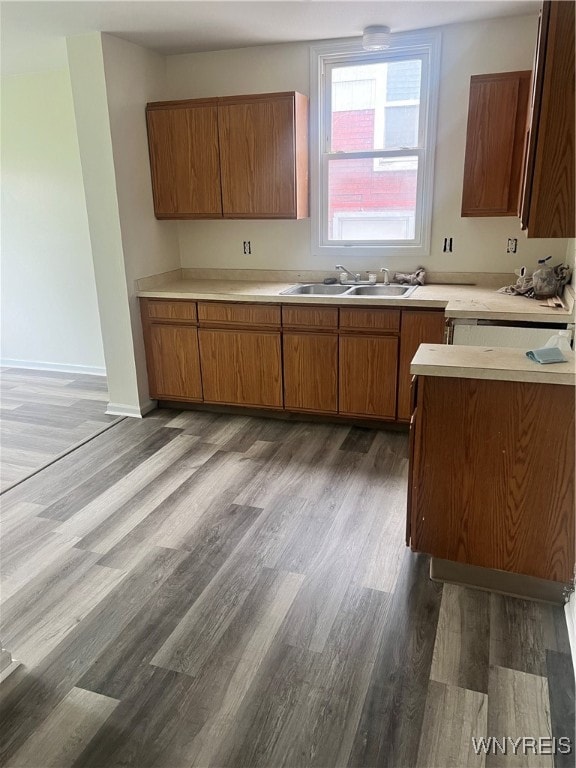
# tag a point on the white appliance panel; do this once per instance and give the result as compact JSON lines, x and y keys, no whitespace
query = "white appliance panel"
{"x":501,"y":336}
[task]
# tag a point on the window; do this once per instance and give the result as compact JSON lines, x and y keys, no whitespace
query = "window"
{"x":373,"y":119}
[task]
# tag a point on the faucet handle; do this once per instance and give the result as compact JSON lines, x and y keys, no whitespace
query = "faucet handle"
{"x":345,"y":271}
{"x":386,"y":275}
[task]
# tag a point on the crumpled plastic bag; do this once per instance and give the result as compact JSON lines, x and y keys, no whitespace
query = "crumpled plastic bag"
{"x":524,"y":285}
{"x":414,"y":278}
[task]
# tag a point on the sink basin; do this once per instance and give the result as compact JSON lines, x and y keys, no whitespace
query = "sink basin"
{"x":316,"y":289}
{"x":390,"y":291}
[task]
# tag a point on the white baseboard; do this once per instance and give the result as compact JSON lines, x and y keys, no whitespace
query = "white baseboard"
{"x":7,"y":671}
{"x":61,"y":368}
{"x":135,"y":411}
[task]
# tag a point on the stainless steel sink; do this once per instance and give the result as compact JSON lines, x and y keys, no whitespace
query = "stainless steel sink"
{"x":391,"y":291}
{"x":316,"y":289}
{"x":319,"y":289}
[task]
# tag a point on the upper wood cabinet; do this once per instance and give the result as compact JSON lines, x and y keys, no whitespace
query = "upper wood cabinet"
{"x":264,"y":156}
{"x":233,"y":157}
{"x":497,"y":113}
{"x":184,"y":159}
{"x":548,"y":200}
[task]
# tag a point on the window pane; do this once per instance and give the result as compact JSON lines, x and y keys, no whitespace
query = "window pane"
{"x":372,"y":199}
{"x":400,"y":127}
{"x":404,"y":80}
{"x":375,"y":106}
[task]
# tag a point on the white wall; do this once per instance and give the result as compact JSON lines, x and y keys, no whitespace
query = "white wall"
{"x":571,"y":258}
{"x":135,"y":76}
{"x":112,"y":80}
{"x":49,"y":309}
{"x":479,"y":244}
{"x":93,"y":124}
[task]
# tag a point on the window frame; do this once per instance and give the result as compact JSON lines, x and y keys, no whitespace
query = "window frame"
{"x":422,"y":44}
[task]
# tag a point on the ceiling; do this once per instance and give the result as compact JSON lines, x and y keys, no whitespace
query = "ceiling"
{"x":33,"y":33}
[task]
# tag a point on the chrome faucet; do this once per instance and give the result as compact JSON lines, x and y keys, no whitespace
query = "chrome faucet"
{"x":386,"y":275}
{"x":354,"y":276}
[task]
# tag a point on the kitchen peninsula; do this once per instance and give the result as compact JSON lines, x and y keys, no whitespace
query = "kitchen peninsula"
{"x":492,"y":468}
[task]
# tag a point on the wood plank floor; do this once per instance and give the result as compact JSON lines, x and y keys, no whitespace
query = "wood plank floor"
{"x":44,"y":414}
{"x":197,"y":589}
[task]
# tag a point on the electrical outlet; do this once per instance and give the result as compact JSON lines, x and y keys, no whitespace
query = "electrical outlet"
{"x":247,"y":247}
{"x":448,"y":243}
{"x":512,"y":246}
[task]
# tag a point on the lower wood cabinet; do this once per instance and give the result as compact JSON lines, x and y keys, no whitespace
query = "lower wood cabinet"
{"x":417,"y":327}
{"x":492,"y":475}
{"x":349,"y":361}
{"x":368,"y":371}
{"x":173,"y":362}
{"x":311,"y":372}
{"x":241,"y":367}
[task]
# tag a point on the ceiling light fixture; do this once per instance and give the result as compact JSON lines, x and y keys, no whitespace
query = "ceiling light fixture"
{"x":376,"y":38}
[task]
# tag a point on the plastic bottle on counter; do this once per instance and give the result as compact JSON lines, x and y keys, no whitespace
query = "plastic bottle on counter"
{"x":560,"y":340}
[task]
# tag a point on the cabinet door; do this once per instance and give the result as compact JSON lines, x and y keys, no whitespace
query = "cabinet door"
{"x":184,"y":161}
{"x":548,"y":205}
{"x":412,"y":459}
{"x":368,"y":369}
{"x":241,"y":367}
{"x":173,"y":362}
{"x":257,"y":157}
{"x":494,"y":475}
{"x":418,"y":327}
{"x":497,"y":113}
{"x":311,"y":372}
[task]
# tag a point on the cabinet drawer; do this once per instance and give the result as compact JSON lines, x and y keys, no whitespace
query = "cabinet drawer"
{"x":170,"y":310}
{"x":370,"y":319}
{"x":318,"y":318}
{"x":220,"y":313}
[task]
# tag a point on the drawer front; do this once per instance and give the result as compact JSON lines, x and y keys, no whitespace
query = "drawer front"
{"x":318,"y":318}
{"x":370,"y":319}
{"x":220,"y":313}
{"x":158,"y":309}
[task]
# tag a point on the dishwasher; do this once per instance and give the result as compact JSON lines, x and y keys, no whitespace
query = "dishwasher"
{"x":504,"y":333}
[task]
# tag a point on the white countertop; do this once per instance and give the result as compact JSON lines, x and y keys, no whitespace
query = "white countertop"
{"x":497,"y":363}
{"x":458,"y":301}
